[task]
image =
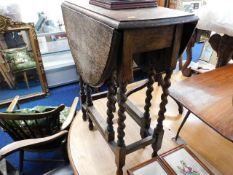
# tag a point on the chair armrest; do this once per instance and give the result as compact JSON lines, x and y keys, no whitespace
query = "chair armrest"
{"x":15,"y":146}
{"x":71,"y":114}
{"x":13,"y":104}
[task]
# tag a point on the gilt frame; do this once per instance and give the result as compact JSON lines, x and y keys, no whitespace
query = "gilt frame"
{"x":8,"y":25}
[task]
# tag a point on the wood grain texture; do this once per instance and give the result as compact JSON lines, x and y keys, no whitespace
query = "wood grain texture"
{"x":148,"y":40}
{"x":209,"y":96}
{"x":90,"y":42}
{"x":95,"y":35}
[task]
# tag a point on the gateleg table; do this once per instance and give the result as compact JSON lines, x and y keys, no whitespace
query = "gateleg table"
{"x":104,"y":44}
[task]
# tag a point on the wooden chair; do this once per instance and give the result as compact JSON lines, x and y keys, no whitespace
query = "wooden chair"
{"x":34,"y":130}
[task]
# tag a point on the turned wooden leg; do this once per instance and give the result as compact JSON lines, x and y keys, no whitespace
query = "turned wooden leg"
{"x":89,"y":103}
{"x":115,"y":89}
{"x":147,"y":120}
{"x":121,"y":114}
{"x":83,"y":98}
{"x":110,"y":108}
{"x":160,"y":80}
{"x":158,"y":131}
{"x":120,"y":157}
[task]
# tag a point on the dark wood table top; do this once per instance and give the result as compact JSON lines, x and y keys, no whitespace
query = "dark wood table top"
{"x":102,"y":40}
{"x":210,"y":97}
{"x":131,"y":18}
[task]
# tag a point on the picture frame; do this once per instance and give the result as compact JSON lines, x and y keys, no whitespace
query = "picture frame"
{"x":177,"y":161}
{"x":21,"y":68}
{"x":181,"y":161}
{"x":153,"y":166}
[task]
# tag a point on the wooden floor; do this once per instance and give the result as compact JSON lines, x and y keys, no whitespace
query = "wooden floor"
{"x":92,"y":156}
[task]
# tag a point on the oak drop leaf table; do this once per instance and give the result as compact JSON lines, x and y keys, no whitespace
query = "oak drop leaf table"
{"x":104,"y":44}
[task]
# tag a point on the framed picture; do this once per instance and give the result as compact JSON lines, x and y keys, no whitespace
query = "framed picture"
{"x":182,"y":161}
{"x":150,"y":167}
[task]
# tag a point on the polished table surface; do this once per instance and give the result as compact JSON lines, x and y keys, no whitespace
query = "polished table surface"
{"x":210,"y":97}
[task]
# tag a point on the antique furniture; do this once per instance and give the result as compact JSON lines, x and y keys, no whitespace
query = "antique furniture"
{"x":214,"y":103}
{"x":20,"y":60}
{"x":217,"y":18}
{"x":89,"y":154}
{"x":41,"y":128}
{"x":104,"y":43}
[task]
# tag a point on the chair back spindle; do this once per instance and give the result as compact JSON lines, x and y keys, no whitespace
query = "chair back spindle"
{"x":31,"y":125}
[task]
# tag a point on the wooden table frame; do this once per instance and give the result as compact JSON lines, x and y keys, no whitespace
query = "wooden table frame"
{"x":117,"y":94}
{"x":121,"y":41}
